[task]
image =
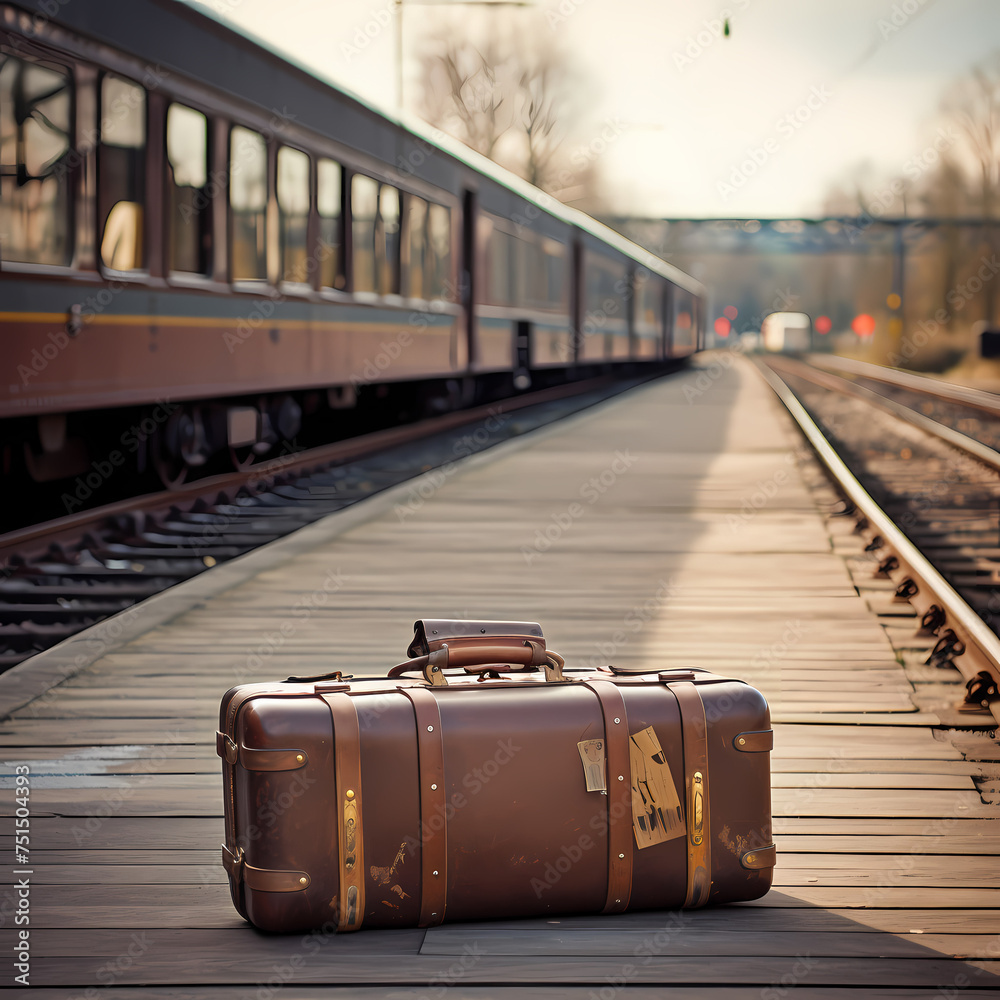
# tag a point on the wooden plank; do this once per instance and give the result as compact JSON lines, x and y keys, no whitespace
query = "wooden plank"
{"x":122,"y":833}
{"x":875,"y":742}
{"x":99,"y":754}
{"x":846,"y":765}
{"x":942,"y":828}
{"x":334,"y":966}
{"x":138,"y":799}
{"x":821,"y":801}
{"x":191,"y":907}
{"x":669,"y":939}
{"x":19,"y":732}
{"x":903,"y":896}
{"x":977,"y":871}
{"x":165,"y":781}
{"x":110,"y":942}
{"x":880,"y":779}
{"x":747,"y":917}
{"x":213,"y":900}
{"x":809,"y":844}
{"x":539,"y":991}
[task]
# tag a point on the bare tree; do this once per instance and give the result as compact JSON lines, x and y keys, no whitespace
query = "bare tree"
{"x":509,"y":91}
{"x":463,"y":93}
{"x":973,"y":104}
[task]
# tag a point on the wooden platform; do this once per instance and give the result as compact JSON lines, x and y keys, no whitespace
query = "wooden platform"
{"x":672,"y":526}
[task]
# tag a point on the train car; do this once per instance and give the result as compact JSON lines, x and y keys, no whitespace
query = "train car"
{"x":789,"y":332}
{"x":206,"y":250}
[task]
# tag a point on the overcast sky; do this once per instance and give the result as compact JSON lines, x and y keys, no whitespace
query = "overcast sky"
{"x":703,"y":121}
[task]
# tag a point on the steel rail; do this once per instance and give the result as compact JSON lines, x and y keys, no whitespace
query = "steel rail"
{"x":982,"y":646}
{"x":827,"y":380}
{"x":948,"y":392}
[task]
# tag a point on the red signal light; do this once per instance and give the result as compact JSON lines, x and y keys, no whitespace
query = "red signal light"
{"x":722,"y":327}
{"x":863,"y":325}
{"x":731,"y":312}
{"x":823,"y":324}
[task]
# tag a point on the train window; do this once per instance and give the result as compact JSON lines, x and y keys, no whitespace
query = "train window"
{"x":248,"y":204}
{"x":36,"y":110}
{"x":438,"y":260}
{"x":605,"y":285}
{"x":648,"y":304}
{"x":121,"y":166}
{"x":364,"y":209}
{"x":416,"y":241}
{"x":507,"y":268}
{"x":532,"y":273}
{"x":556,"y":273}
{"x":387,"y":245}
{"x":542,"y":272}
{"x":685,"y":332}
{"x":189,"y":204}
{"x":328,"y":204}
{"x":293,"y":213}
{"x":500,"y":274}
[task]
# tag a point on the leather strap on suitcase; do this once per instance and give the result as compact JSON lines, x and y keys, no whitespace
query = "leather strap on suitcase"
{"x":694,"y":734}
{"x":433,"y":803}
{"x":347,"y":757}
{"x":616,"y":738}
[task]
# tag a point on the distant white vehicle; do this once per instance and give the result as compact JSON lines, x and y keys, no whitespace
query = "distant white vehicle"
{"x":787,"y":331}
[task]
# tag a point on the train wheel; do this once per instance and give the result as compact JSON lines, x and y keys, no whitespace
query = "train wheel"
{"x":242,"y":458}
{"x":173,"y":472}
{"x":178,"y":446}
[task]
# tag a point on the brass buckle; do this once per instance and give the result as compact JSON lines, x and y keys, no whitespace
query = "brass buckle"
{"x":434,"y":668}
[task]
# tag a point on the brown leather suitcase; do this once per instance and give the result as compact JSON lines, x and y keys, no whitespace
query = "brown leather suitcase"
{"x":511,"y":788}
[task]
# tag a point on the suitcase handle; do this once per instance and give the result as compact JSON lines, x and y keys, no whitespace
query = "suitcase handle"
{"x":530,"y":656}
{"x":432,"y":633}
{"x":628,"y":671}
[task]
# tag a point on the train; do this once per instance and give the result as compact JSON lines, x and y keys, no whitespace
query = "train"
{"x":206,"y":252}
{"x":789,"y":332}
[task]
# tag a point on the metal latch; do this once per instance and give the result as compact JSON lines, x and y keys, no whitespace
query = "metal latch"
{"x":226,"y":748}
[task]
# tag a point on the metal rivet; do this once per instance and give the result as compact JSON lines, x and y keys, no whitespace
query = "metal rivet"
{"x":751,"y":858}
{"x":483,"y":631}
{"x":434,"y":873}
{"x":303,"y":881}
{"x":430,"y":729}
{"x":621,"y":855}
{"x":434,"y":788}
{"x":621,"y":777}
{"x":433,"y":914}
{"x":349,"y":793}
{"x":742,"y":741}
{"x":434,"y":631}
{"x":299,"y":757}
{"x":617,"y":900}
{"x":617,"y":721}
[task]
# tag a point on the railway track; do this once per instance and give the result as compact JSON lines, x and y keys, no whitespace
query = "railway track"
{"x":63,"y":576}
{"x":924,"y":493}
